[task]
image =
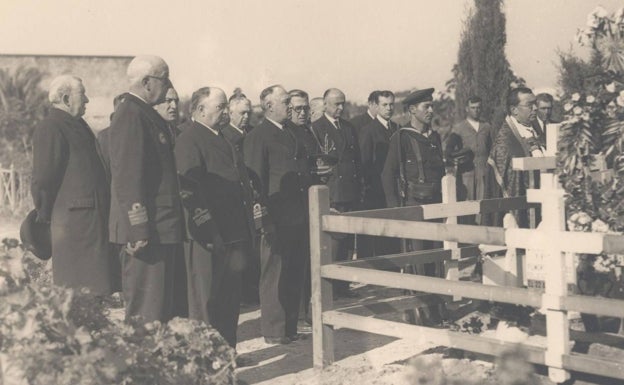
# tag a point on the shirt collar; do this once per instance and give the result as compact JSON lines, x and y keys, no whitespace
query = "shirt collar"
{"x":331,"y":120}
{"x":383,"y":121}
{"x":238,"y":129}
{"x":138,"y":97}
{"x":369,"y":114}
{"x":473,"y":123}
{"x":210,"y":128}
{"x":281,"y":127}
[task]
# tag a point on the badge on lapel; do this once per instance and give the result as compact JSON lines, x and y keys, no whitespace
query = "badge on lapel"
{"x":162,"y":138}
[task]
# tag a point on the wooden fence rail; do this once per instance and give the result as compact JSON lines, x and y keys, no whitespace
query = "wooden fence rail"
{"x":551,"y":239}
{"x":14,"y":189}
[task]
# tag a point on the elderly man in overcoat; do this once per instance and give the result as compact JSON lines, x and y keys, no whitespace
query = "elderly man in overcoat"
{"x":70,"y":190}
{"x":214,"y":268}
{"x":146,"y":217}
{"x":280,"y":162}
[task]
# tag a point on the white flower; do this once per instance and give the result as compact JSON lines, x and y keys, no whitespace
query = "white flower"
{"x":585,"y":116}
{"x":590,"y":99}
{"x":578,"y":111}
{"x":610,"y":87}
{"x":180,"y":326}
{"x":599,"y":226}
{"x":568,"y":107}
{"x":620,"y":101}
{"x":576,"y":97}
{"x":618,"y":16}
{"x":600,"y":12}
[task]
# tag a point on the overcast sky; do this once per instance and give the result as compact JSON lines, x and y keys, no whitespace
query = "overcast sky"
{"x":356,"y":45}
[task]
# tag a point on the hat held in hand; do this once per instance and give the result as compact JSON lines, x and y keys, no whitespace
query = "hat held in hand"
{"x":36,"y":236}
{"x":322,"y":164}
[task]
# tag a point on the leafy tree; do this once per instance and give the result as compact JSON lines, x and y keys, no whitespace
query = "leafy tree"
{"x":482,"y":68}
{"x":23,"y":103}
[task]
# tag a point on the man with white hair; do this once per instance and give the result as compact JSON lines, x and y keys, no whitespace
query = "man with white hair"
{"x":280,"y":162}
{"x":216,"y":255}
{"x":240,"y":113}
{"x":70,"y":190}
{"x":146,"y":218}
{"x":317,"y":109}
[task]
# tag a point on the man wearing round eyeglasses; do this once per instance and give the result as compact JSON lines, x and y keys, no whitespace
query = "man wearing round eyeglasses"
{"x":517,"y":138}
{"x":146,"y":218}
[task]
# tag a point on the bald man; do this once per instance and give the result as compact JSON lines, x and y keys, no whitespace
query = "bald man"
{"x":70,"y":190}
{"x":214,"y":266}
{"x":317,"y":108}
{"x":337,"y":137}
{"x":280,"y":162}
{"x":146,"y":218}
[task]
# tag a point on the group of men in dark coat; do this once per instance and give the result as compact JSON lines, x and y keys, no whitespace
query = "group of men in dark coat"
{"x":192,"y":217}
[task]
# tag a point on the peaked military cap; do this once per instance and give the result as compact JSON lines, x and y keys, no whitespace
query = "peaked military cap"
{"x":418,"y":96}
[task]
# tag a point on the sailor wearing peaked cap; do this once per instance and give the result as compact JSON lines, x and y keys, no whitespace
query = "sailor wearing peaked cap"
{"x":418,"y":96}
{"x":414,"y":167}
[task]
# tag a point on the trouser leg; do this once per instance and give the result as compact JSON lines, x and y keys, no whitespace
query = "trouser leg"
{"x":147,"y":281}
{"x":224,"y":304}
{"x":199,"y":280}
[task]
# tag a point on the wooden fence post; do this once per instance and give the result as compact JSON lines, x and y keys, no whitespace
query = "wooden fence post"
{"x":322,"y":292}
{"x":556,"y":286}
{"x":449,"y":195}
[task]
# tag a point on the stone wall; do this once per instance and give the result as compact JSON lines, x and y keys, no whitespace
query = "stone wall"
{"x":104,"y":77}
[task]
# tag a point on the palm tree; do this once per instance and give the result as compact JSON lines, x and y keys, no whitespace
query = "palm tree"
{"x":22,"y":105}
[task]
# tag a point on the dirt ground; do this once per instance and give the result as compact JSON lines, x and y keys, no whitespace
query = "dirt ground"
{"x":360,"y":358}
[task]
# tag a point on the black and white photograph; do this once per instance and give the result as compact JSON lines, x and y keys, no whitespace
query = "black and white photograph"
{"x":312,"y":192}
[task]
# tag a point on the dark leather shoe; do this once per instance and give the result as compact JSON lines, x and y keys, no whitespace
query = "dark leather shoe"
{"x":304,"y":327}
{"x":277,"y":340}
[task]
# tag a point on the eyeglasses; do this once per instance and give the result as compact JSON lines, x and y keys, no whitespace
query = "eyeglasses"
{"x":164,"y":79}
{"x":300,"y":109}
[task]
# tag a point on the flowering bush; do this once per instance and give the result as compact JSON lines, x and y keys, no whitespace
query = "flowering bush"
{"x":54,"y":335}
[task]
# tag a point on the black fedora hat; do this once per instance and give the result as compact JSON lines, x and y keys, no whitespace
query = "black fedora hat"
{"x":36,"y":237}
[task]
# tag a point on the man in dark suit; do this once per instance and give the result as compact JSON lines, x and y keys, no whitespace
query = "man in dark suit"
{"x":146,"y":217}
{"x":472,"y":175}
{"x":544,"y":115}
{"x":280,"y":162}
{"x":361,"y":120}
{"x":240,"y":114}
{"x":168,"y":110}
{"x":300,"y":124}
{"x":374,"y":139}
{"x":204,"y":156}
{"x":70,"y":191}
{"x":338,"y":138}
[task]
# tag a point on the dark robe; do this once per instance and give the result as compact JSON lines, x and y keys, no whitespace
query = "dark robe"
{"x":508,"y":145}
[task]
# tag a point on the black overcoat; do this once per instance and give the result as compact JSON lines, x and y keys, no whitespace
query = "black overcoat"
{"x":145,"y":202}
{"x":345,"y":181}
{"x":279,"y":160}
{"x":70,"y":190}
